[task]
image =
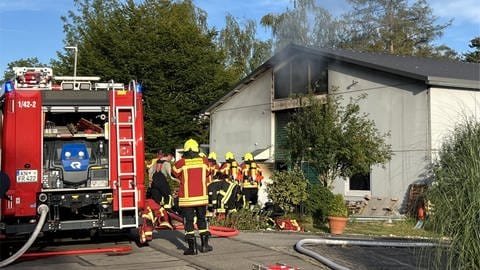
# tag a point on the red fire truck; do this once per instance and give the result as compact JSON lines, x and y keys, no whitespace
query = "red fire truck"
{"x":73,"y":152}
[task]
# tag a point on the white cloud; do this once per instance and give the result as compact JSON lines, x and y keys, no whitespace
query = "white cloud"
{"x":460,"y":10}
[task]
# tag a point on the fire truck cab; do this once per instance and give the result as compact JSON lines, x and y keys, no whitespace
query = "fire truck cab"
{"x":75,"y":146}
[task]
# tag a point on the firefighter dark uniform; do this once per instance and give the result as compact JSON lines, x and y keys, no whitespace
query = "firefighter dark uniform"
{"x":193,"y":172}
{"x":231,"y":193}
{"x":213,"y":183}
{"x":229,"y":196}
{"x":251,"y":180}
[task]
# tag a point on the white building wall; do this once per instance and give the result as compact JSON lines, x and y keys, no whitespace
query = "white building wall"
{"x":449,"y":107}
{"x":243,"y":123}
{"x":398,"y":106}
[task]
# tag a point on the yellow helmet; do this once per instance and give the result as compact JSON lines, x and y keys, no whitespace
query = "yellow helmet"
{"x":191,"y":145}
{"x":202,"y":154}
{"x":228,"y":155}
{"x":212,"y":155}
{"x":248,"y":157}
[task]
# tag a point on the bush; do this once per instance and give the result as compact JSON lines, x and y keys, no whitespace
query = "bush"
{"x":243,"y":219}
{"x":288,"y":189}
{"x":337,"y":207}
{"x":319,"y":197}
{"x":455,"y":197}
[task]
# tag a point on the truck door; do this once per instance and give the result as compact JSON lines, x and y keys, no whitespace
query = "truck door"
{"x":22,"y":152}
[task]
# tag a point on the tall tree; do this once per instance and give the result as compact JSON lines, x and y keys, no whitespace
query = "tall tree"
{"x":166,"y":46}
{"x":474,"y":56}
{"x":392,"y":26}
{"x":442,"y":51}
{"x":243,"y":50}
{"x":335,"y":139}
{"x":305,"y":24}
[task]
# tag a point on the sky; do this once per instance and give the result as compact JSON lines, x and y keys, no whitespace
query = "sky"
{"x":32,"y":28}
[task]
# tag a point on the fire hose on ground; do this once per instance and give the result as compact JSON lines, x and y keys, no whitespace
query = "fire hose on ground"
{"x":42,"y":210}
{"x":214,"y":230}
{"x":341,"y":242}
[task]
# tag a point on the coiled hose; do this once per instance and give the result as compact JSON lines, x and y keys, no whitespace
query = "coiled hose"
{"x":42,"y":210}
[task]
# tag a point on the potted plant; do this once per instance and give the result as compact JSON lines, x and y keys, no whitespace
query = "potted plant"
{"x":337,"y":214}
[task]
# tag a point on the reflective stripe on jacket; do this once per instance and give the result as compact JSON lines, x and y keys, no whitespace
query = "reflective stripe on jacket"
{"x":193,"y":175}
{"x":252,"y":175}
{"x":232,"y":169}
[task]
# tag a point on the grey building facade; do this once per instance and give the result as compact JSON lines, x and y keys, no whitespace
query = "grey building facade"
{"x":417,"y":100}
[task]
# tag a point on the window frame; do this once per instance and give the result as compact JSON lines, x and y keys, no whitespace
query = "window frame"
{"x":356,"y":192}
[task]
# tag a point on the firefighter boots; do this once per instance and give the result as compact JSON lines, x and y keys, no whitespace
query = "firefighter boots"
{"x":192,"y":245}
{"x":205,"y":247}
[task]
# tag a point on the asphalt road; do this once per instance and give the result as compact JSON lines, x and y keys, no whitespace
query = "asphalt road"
{"x":248,"y":250}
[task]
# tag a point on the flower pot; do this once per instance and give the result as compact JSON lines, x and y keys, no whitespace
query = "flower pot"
{"x":337,"y":224}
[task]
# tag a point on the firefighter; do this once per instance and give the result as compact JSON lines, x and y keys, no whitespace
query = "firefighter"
{"x":229,"y":197}
{"x":214,"y":183}
{"x":193,"y":171}
{"x":230,"y":192}
{"x":231,"y":167}
{"x":251,"y":180}
{"x":214,"y":166}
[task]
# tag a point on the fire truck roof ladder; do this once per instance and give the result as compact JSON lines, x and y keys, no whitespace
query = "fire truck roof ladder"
{"x":123,"y":173}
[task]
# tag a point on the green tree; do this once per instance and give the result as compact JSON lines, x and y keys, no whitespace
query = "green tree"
{"x":474,"y":56}
{"x":454,"y":195}
{"x":336,"y":140}
{"x":443,"y":51}
{"x":392,"y":26}
{"x":24,"y":62}
{"x":305,"y":24}
{"x":244,"y":52}
{"x":164,"y":45}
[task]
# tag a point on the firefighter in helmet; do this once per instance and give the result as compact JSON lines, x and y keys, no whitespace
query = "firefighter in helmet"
{"x":251,"y":180}
{"x":231,"y":197}
{"x":214,"y":166}
{"x":214,"y":183}
{"x":193,"y":170}
{"x":231,"y":167}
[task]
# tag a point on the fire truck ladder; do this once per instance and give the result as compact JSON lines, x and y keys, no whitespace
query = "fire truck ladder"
{"x":123,"y":172}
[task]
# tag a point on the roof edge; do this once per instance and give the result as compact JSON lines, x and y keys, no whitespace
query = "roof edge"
{"x":449,"y":82}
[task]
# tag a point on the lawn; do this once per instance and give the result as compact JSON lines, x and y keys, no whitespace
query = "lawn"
{"x":403,"y":228}
{"x":399,"y":228}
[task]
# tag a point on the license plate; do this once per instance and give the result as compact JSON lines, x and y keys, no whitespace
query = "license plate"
{"x":27,"y":176}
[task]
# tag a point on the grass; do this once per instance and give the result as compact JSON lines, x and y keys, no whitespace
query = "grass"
{"x":404,"y":228}
{"x":400,"y":229}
